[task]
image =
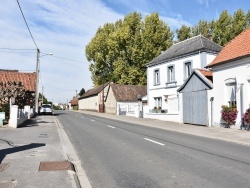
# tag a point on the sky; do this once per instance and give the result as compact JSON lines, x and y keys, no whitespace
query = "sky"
{"x":64,"y":28}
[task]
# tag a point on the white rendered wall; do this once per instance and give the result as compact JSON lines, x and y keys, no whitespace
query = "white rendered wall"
{"x":91,"y":103}
{"x":241,"y":71}
{"x":161,"y":90}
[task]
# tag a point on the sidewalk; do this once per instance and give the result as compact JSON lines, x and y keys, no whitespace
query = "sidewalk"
{"x":220,"y":133}
{"x":23,"y":149}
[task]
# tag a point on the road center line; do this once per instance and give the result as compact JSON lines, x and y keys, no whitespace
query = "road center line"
{"x":154,"y":141}
{"x":111,"y":126}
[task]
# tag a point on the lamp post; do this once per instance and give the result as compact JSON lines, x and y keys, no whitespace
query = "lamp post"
{"x":37,"y":78}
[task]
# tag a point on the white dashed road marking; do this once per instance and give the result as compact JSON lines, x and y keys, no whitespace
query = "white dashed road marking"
{"x":111,"y":126}
{"x":154,"y":142}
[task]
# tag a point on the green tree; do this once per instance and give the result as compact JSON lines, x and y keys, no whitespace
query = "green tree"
{"x":118,"y":52}
{"x":248,"y":19}
{"x":183,"y":33}
{"x":202,"y":28}
{"x":81,"y":92}
{"x":238,"y":23}
{"x":223,"y":29}
{"x":99,"y":55}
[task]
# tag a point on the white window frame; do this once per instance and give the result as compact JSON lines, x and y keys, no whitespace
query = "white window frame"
{"x":158,"y":102}
{"x":188,"y":69}
{"x":157,"y":77}
{"x":171,"y":73}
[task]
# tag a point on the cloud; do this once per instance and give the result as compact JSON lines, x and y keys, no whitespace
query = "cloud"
{"x":63,"y":28}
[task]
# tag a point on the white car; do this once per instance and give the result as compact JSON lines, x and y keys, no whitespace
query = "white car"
{"x":46,"y":109}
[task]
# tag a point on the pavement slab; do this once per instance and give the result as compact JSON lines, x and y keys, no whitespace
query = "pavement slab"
{"x":23,"y":149}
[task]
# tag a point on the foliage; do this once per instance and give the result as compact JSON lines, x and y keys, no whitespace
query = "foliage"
{"x":118,"y":52}
{"x":81,"y":92}
{"x":11,"y":90}
{"x":183,"y":33}
{"x":246,"y":116}
{"x":229,"y":114}
{"x":223,"y":29}
{"x":5,"y":108}
{"x":44,"y":99}
{"x":238,"y":23}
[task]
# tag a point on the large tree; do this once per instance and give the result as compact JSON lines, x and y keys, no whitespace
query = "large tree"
{"x":223,"y":29}
{"x":238,"y":23}
{"x":183,"y":33}
{"x":118,"y":52}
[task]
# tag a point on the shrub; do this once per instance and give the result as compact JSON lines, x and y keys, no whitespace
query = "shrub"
{"x":246,"y":117}
{"x":229,"y":114}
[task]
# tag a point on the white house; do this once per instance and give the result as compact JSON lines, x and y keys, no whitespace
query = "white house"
{"x":94,"y":99}
{"x":167,"y":72}
{"x":231,"y":76}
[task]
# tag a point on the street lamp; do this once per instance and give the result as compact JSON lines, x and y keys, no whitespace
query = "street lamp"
{"x":37,"y":78}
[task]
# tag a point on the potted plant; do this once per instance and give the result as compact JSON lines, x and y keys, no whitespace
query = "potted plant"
{"x":229,"y":115}
{"x":246,"y":117}
{"x":159,"y":109}
{"x":156,"y":109}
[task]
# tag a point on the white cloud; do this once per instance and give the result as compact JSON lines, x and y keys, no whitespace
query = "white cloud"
{"x":63,"y":28}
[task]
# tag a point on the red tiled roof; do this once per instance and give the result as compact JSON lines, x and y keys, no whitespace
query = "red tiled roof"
{"x":74,"y":101}
{"x":128,"y":92}
{"x":207,"y":73}
{"x":27,"y":79}
{"x":237,"y":48}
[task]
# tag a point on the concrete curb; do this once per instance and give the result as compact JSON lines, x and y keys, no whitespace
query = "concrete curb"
{"x":79,"y":178}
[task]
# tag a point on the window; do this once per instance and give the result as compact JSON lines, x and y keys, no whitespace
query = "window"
{"x":156,"y":77}
{"x":158,"y":102}
{"x":171,"y":75}
{"x":231,"y":94}
{"x":187,"y":69}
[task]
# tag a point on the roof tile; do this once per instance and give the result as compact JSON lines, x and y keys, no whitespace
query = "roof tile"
{"x":190,"y":46}
{"x":237,"y":48}
{"x":27,"y":79}
{"x":128,"y":92}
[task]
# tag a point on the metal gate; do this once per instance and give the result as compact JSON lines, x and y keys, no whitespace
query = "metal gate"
{"x":195,"y":107}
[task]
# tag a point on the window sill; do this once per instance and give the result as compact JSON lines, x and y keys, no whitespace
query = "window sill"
{"x":156,"y":84}
{"x":171,"y":84}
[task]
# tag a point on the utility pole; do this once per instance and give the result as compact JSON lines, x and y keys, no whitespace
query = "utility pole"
{"x":37,"y":81}
{"x":76,"y":93}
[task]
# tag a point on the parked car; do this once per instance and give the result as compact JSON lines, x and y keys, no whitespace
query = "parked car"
{"x":46,"y":109}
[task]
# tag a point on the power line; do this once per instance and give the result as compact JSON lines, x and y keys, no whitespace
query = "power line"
{"x":15,"y":49}
{"x":27,"y":24}
{"x":16,"y":52}
{"x":68,"y":59}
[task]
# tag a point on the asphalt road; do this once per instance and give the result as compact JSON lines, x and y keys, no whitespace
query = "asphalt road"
{"x":118,"y":154}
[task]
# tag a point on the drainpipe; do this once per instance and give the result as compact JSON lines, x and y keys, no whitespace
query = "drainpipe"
{"x":211,"y":100}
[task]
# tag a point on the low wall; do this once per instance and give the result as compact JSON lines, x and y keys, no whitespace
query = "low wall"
{"x":174,"y":117}
{"x":19,"y":116}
